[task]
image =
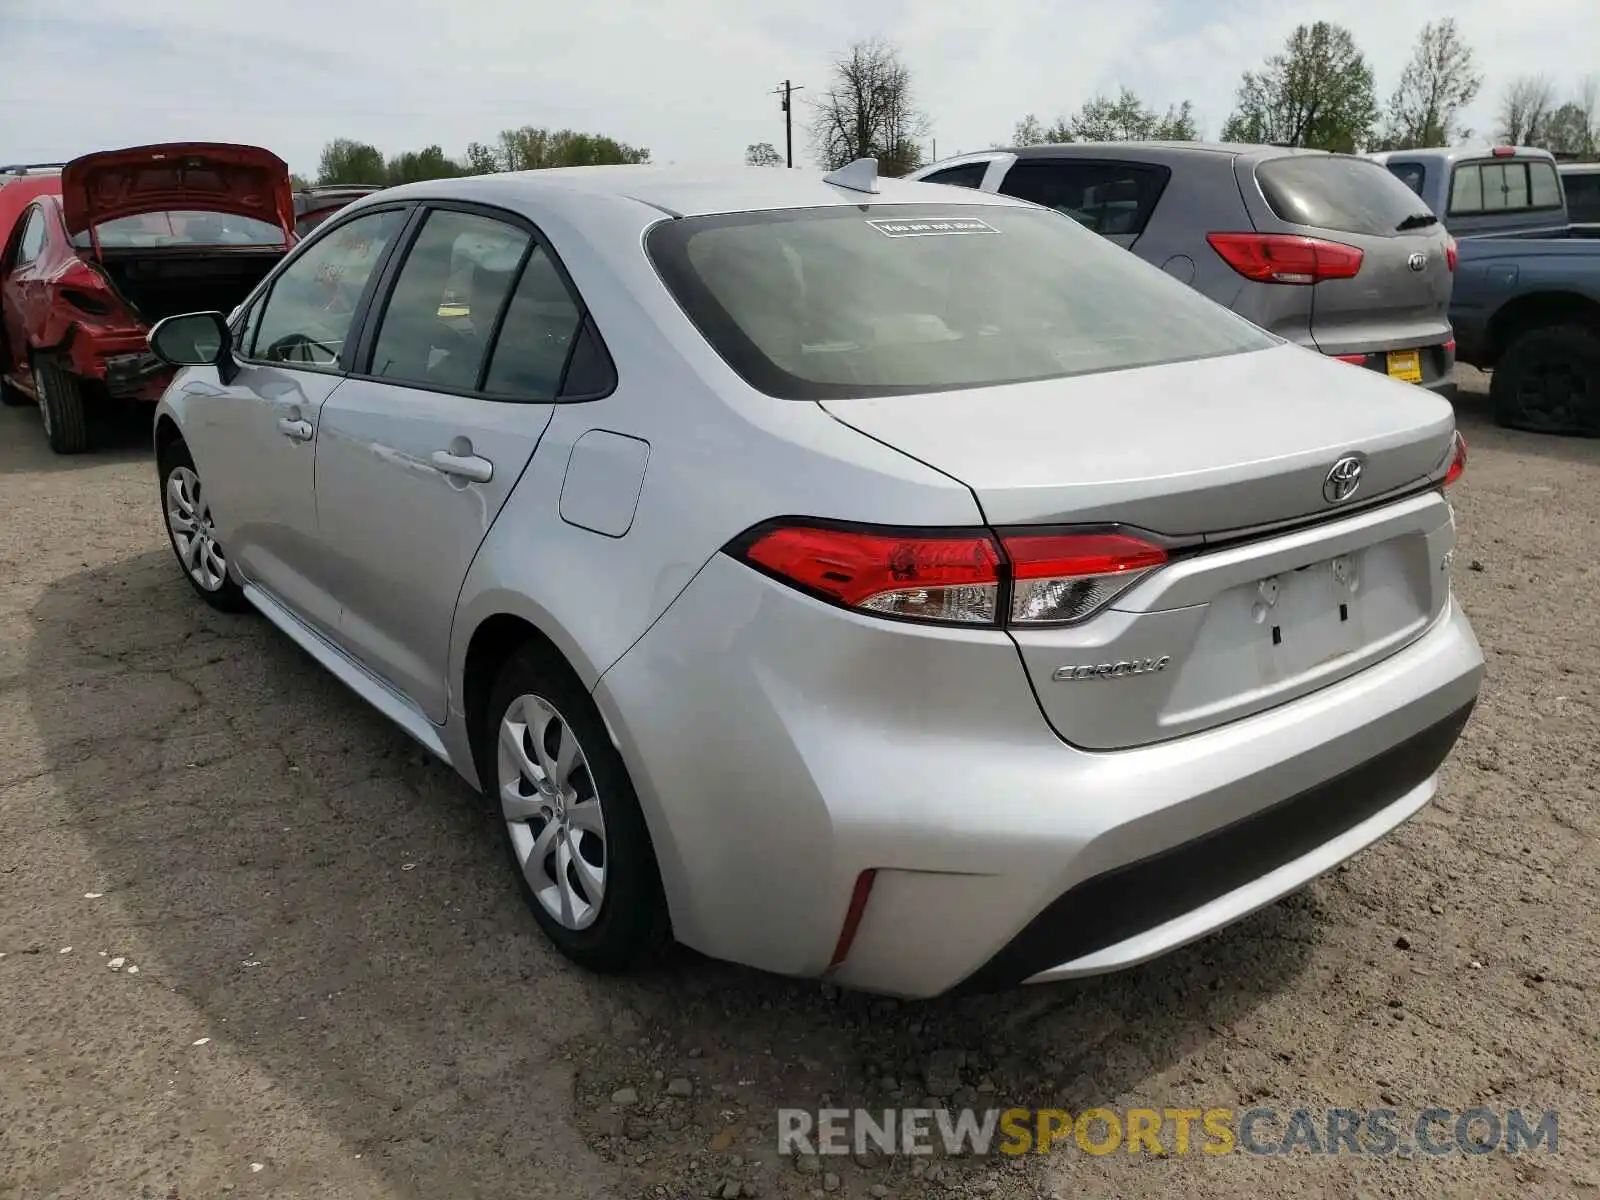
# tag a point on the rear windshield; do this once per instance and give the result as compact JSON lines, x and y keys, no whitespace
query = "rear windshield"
{"x":1342,"y":193}
{"x":822,"y":303}
{"x":182,"y":229}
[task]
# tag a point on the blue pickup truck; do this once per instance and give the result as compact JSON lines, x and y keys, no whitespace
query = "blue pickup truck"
{"x":1526,"y":299}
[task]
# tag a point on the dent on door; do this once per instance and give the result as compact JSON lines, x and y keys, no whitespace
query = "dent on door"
{"x":605,"y":474}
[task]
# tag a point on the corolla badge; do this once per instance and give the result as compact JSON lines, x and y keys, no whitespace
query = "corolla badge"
{"x":1121,"y":669}
{"x":1344,"y":477}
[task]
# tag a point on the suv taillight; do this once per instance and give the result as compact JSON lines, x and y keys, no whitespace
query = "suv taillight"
{"x":966,"y":577}
{"x":1451,"y":254}
{"x":1286,"y":258}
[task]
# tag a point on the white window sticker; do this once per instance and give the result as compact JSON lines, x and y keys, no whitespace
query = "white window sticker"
{"x":932,"y":227}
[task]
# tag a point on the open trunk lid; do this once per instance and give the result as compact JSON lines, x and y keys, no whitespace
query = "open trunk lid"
{"x":245,"y":181}
{"x":1209,"y":456}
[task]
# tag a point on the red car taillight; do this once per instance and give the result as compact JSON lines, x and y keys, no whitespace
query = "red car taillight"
{"x":954,"y":577}
{"x":1458,"y":460}
{"x":1286,"y":258}
{"x":1451,"y":254}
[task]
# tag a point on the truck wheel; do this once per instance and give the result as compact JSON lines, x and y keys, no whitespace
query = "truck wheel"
{"x":61,"y":407}
{"x":1548,"y":381}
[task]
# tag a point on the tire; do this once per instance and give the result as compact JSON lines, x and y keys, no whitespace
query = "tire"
{"x":188,"y":521}
{"x":1548,"y":381}
{"x":595,"y":831}
{"x":62,"y":407}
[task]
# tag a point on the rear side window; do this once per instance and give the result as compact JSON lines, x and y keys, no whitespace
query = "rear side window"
{"x":32,"y":241}
{"x":536,"y":339}
{"x":967,"y":175}
{"x":1505,"y":185}
{"x":1412,"y":174}
{"x":441,"y":314}
{"x":820,"y":303}
{"x":1342,"y":193}
{"x":1583,"y":196}
{"x":1107,"y":197}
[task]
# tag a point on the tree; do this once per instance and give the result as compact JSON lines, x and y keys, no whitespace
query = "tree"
{"x":298,"y":183}
{"x":415,"y":165}
{"x":1566,"y":131}
{"x":1127,"y":119}
{"x":869,"y":112}
{"x":1317,"y":92}
{"x":481,"y":159}
{"x":1440,"y":80}
{"x":533,"y":149}
{"x":1524,"y":108}
{"x":345,"y":160}
{"x":762,"y":154}
{"x":1030,"y":131}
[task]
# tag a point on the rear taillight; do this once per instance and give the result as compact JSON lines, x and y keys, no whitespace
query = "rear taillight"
{"x":954,"y":577}
{"x":1458,"y":460}
{"x":1451,"y":255}
{"x":1286,"y":258}
{"x":1503,"y":151}
{"x":1359,"y":360}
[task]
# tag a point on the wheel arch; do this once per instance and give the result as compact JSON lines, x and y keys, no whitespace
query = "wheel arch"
{"x":167,"y":433}
{"x":1536,"y":310}
{"x":499,"y":624}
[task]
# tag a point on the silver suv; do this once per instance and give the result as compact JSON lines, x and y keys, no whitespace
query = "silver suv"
{"x":1327,"y":250}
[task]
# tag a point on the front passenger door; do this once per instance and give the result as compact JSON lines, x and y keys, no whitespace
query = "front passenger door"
{"x":253,"y":438}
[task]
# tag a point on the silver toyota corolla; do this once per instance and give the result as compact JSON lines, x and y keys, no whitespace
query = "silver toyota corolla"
{"x":846,"y":577}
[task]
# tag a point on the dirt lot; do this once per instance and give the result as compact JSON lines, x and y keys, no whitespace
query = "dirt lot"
{"x":338,"y":993}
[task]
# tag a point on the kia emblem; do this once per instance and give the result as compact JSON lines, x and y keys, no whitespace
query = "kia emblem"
{"x":1417,"y":262}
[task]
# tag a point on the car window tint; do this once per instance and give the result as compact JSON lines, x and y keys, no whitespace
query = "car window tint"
{"x":32,"y":237}
{"x":823,"y":303}
{"x":1339,"y":192}
{"x":1412,"y":174}
{"x":532,"y":349}
{"x":436,"y":326}
{"x":309,"y":312}
{"x":1583,"y":196}
{"x":1106,"y":197}
{"x":967,"y":175}
{"x":590,"y":371}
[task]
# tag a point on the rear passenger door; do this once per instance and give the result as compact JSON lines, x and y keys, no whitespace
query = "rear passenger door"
{"x":1113,"y":199}
{"x":473,"y":333}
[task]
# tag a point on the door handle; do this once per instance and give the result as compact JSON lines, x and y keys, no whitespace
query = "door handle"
{"x":300,"y":431}
{"x":463,"y":466}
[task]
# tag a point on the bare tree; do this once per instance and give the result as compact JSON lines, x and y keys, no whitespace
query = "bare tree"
{"x":762,"y":154}
{"x":869,"y":112}
{"x":1440,"y":80}
{"x":1524,"y":109}
{"x":1589,"y":105}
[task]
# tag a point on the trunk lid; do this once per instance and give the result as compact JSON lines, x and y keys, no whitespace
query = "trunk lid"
{"x":245,"y":181}
{"x":1399,"y":300}
{"x":1204,"y":447}
{"x":1240,"y":619}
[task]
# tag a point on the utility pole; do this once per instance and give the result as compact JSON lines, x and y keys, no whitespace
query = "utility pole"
{"x":787,"y":92}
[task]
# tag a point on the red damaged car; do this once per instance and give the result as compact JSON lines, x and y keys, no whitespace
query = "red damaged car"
{"x":93,"y":258}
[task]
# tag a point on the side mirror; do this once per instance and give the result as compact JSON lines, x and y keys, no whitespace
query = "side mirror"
{"x":194,"y":339}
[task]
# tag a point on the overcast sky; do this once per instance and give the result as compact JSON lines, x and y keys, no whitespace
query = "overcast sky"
{"x":686,"y":78}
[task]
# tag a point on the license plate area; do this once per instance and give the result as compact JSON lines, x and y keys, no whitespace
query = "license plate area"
{"x":1405,"y":365}
{"x":1281,"y":634}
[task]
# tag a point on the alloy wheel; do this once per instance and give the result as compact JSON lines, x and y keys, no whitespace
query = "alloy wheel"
{"x":552,"y":811}
{"x":189,"y":518}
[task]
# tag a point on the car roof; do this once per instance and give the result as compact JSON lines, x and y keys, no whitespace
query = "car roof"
{"x":1578,"y":168}
{"x":1455,"y":154}
{"x":1101,"y":149}
{"x":685,"y":191}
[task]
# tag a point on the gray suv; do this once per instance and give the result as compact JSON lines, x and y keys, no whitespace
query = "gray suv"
{"x":1326,"y":250}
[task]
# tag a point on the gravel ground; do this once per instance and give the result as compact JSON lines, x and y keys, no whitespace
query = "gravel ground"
{"x":252,"y":942}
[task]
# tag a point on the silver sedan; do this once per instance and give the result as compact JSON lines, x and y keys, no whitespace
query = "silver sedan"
{"x":848,"y":577}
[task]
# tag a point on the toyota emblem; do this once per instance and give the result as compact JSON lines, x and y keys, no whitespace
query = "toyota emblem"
{"x":1344,"y":477}
{"x":1417,"y":261}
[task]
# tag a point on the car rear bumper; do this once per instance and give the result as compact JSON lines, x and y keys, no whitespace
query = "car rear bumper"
{"x":781,"y":748}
